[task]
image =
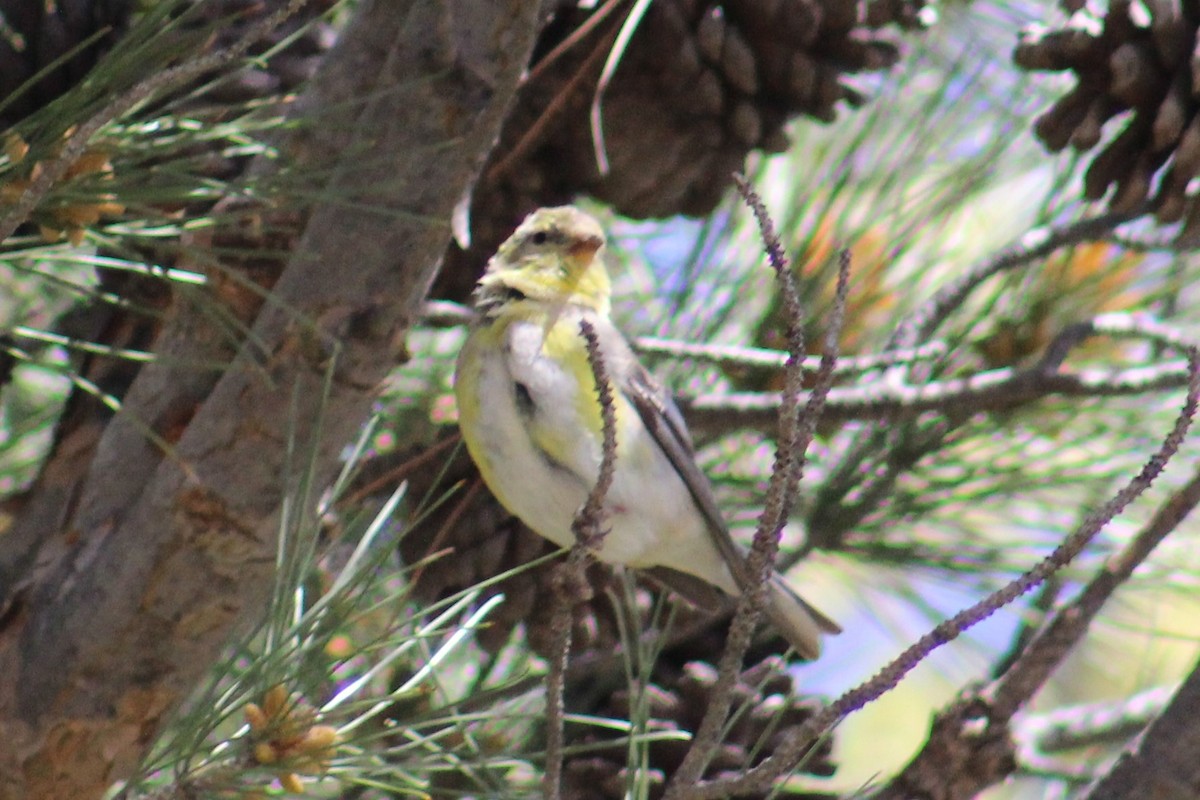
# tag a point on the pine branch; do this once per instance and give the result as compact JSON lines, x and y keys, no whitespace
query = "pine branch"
{"x":934,"y":770}
{"x":796,"y":432}
{"x":168,"y":573}
{"x":588,"y":527}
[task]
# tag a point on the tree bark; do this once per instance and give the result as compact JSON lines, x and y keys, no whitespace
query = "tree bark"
{"x":124,"y":600}
{"x":1163,"y":762}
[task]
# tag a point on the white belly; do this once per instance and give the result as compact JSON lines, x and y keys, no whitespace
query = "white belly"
{"x":651,"y":516}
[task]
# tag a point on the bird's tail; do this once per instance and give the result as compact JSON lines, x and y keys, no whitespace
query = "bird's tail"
{"x":800,"y":623}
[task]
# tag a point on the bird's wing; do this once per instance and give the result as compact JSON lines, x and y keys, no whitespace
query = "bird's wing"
{"x":662,"y":419}
{"x":697,"y":591}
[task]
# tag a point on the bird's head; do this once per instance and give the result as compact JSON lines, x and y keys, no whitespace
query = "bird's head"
{"x":553,"y":256}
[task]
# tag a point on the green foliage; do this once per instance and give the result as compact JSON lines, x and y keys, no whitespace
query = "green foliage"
{"x":917,"y":186}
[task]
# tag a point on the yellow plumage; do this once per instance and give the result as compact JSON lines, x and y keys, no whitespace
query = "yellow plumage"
{"x":530,"y":416}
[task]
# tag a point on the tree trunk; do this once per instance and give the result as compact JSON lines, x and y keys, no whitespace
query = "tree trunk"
{"x":126,"y":597}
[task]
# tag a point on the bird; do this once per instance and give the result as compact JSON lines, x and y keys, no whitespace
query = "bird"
{"x":530,"y":416}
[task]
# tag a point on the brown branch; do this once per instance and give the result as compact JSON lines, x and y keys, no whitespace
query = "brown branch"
{"x":982,"y":721}
{"x":571,"y":578}
{"x":1034,"y":245}
{"x":570,"y":583}
{"x":795,"y":433}
{"x":754,"y":596}
{"x":536,"y":132}
{"x":1162,"y":764}
{"x":390,"y":478}
{"x":740,"y":356}
{"x":142,"y":583}
{"x":966,"y":718}
{"x":577,"y":35}
{"x":994,"y":390}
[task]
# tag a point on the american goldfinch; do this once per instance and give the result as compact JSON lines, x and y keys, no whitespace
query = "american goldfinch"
{"x":530,"y":416}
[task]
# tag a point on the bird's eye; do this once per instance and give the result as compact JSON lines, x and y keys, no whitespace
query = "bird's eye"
{"x":539,"y":238}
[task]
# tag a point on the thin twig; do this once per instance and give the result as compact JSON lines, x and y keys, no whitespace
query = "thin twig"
{"x":740,"y":356}
{"x":988,"y":391}
{"x":1034,"y":245}
{"x":588,"y":525}
{"x":571,"y":580}
{"x":534,"y":133}
{"x":992,"y":709}
{"x":620,"y":44}
{"x":572,"y":39}
{"x":444,"y":532}
{"x":1033,"y":667}
{"x":794,"y":436}
{"x":1007,"y":698}
{"x":985,"y":391}
{"x":392,"y":477}
{"x":560,"y":629}
{"x":448,"y":314}
{"x":55,"y":168}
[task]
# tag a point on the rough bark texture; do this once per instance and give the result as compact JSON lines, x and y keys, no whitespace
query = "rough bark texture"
{"x":964,"y":754}
{"x":131,"y":591}
{"x":1163,"y":763}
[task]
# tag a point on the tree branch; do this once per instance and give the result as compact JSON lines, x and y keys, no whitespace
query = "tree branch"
{"x":960,"y":757}
{"x":993,"y":390}
{"x":795,"y":434}
{"x":1162,"y":764}
{"x":129,"y":605}
{"x":969,"y":744}
{"x":573,"y":588}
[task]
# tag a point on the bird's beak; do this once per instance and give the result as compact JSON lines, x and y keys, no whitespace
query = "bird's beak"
{"x":583,"y":250}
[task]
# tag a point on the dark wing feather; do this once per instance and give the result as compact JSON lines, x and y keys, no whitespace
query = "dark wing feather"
{"x":662,"y":419}
{"x":697,"y":591}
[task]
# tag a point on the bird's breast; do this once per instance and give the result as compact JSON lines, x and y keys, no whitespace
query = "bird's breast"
{"x":538,"y":442}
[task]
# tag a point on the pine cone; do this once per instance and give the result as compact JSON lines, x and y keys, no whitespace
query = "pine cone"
{"x":475,"y":540}
{"x":1139,"y":63}
{"x":676,"y":700}
{"x":700,"y":85}
{"x":35,"y":35}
